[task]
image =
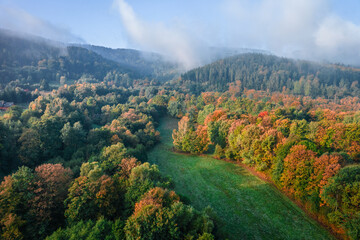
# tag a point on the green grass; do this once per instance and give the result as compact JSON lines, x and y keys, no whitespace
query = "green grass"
{"x":246,"y":206}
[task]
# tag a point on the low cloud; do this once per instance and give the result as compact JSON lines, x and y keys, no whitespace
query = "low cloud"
{"x":306,"y":29}
{"x":172,"y":41}
{"x":301,"y":29}
{"x":338,"y":40}
{"x":21,"y":21}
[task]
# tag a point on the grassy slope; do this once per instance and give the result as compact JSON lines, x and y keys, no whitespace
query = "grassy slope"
{"x":247,"y":207}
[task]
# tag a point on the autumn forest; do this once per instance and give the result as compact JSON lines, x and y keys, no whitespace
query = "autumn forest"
{"x":82,"y":146}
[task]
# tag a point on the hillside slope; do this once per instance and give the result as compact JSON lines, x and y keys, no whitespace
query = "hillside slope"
{"x":147,"y":64}
{"x":271,"y":73}
{"x":30,"y":59}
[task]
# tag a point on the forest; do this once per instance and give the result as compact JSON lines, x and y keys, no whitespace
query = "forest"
{"x":274,"y":74}
{"x":74,"y":148}
{"x":80,"y":155}
{"x":308,"y":148}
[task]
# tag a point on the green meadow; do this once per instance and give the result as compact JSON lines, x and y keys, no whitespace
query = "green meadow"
{"x":246,"y":207}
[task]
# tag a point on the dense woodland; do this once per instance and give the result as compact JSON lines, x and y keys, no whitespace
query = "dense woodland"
{"x":73,"y":154}
{"x":29,"y":63}
{"x":309,"y":148}
{"x":274,"y":74}
{"x":82,"y":152}
{"x":76,"y":63}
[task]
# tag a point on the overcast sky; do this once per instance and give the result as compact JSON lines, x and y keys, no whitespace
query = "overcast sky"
{"x":323,"y":30}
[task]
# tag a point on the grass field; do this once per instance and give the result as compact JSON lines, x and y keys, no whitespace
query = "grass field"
{"x":246,"y":206}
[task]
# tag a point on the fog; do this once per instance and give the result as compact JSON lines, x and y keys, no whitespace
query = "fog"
{"x":173,"y":42}
{"x":306,"y":29}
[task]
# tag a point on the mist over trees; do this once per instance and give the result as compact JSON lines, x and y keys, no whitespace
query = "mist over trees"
{"x":274,"y":74}
{"x":73,"y":147}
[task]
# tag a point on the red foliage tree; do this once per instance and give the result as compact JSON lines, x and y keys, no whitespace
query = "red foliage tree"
{"x":263,"y":114}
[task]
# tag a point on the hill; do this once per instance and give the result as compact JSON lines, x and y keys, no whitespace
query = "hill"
{"x":148,"y":64}
{"x":27,"y":60}
{"x":270,"y":73}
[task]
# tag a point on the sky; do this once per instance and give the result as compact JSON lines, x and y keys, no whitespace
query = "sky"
{"x":320,"y":30}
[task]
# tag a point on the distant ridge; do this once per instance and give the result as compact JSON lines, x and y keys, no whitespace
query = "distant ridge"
{"x":274,"y":74}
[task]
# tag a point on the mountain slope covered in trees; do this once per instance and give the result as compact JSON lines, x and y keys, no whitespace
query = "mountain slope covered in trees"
{"x":271,"y":73}
{"x":149,"y":64}
{"x":27,"y":60}
{"x":82,"y":141}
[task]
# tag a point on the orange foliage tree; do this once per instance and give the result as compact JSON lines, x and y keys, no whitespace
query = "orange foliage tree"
{"x":298,"y":168}
{"x":325,"y":167}
{"x":158,"y":197}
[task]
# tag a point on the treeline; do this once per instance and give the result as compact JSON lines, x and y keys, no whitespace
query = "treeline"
{"x":274,"y":74}
{"x":310,"y":152}
{"x":84,"y":175}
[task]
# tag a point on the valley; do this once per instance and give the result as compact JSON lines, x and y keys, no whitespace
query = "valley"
{"x":104,"y":143}
{"x":246,"y":206}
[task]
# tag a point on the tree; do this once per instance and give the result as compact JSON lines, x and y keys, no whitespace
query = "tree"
{"x":93,"y":196}
{"x":189,"y":139}
{"x":177,"y":221}
{"x":152,"y":222}
{"x":31,"y":203}
{"x":342,"y":195}
{"x":126,"y":166}
{"x":111,"y":157}
{"x":182,"y":134}
{"x":157,"y":196}
{"x":97,"y":139}
{"x":325,"y":167}
{"x":49,"y":128}
{"x":91,"y":230}
{"x":80,"y":204}
{"x":175,"y":108}
{"x":201,"y":142}
{"x":143,"y":178}
{"x":298,"y":168}
{"x":281,"y":152}
{"x":30,"y":149}
{"x":14,"y":208}
{"x":14,"y":112}
{"x":246,"y":141}
{"x":49,"y":192}
{"x":73,"y":138}
{"x":208,"y":109}
{"x":217,"y":132}
{"x":7,"y":147}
